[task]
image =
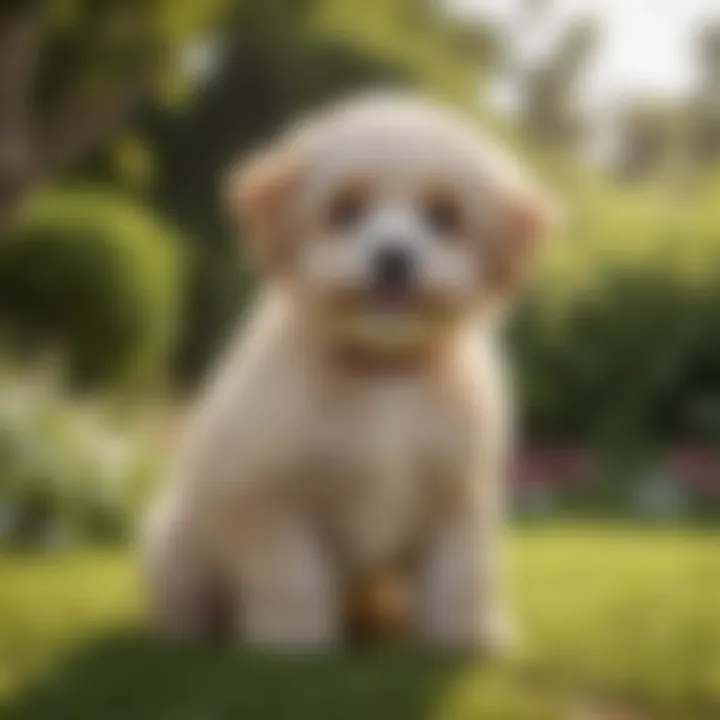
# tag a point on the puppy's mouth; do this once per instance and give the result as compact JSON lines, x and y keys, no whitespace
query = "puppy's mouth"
{"x":392,"y":304}
{"x":379,"y":300}
{"x":392,"y":300}
{"x":386,"y":319}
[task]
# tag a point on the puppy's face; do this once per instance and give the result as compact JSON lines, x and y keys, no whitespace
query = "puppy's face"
{"x":390,"y":220}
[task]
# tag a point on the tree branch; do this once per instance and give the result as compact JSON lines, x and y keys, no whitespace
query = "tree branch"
{"x":82,"y":119}
{"x":19,"y":49}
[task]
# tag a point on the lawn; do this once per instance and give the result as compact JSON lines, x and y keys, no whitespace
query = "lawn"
{"x":619,"y":624}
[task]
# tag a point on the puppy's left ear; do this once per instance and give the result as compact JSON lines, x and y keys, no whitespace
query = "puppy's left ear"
{"x":526,"y":217}
{"x":259,"y":196}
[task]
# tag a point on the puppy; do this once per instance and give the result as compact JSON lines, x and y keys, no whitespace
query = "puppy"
{"x":359,"y":427}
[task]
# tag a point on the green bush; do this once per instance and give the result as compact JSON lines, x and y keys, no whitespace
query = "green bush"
{"x":97,"y":278}
{"x":68,"y":474}
{"x":618,"y":340}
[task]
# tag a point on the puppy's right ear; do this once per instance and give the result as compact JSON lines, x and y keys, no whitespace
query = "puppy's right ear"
{"x":259,"y":195}
{"x":528,"y":216}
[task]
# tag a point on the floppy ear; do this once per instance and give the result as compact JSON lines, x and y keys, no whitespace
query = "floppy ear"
{"x":526,"y":216}
{"x":259,"y":194}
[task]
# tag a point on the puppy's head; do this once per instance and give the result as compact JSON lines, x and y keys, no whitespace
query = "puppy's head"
{"x":389,"y":219}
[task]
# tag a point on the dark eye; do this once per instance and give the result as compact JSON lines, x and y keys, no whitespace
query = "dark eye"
{"x":443,"y":215}
{"x":347,"y":208}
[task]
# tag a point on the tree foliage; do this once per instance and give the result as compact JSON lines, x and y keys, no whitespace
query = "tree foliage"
{"x":71,"y":72}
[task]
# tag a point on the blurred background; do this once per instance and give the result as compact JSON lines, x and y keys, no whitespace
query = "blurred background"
{"x":120,"y":276}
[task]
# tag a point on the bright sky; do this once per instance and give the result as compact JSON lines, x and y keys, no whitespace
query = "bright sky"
{"x":646,"y":46}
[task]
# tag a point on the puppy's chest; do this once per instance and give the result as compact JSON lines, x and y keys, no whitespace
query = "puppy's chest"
{"x":381,"y":448}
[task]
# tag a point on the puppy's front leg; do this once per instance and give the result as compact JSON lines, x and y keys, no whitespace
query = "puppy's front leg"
{"x":460,"y":600}
{"x":287,"y":587}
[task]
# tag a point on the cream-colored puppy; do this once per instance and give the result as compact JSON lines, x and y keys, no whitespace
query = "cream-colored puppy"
{"x":359,"y":426}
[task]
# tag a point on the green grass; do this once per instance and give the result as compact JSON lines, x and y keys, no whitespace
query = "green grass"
{"x":619,"y":624}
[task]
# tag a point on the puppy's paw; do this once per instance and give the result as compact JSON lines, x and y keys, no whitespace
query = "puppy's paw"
{"x":289,"y":627}
{"x":290,"y":638}
{"x":488,"y":634}
{"x":496,"y":635}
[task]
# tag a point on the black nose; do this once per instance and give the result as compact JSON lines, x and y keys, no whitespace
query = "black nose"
{"x":393,"y":267}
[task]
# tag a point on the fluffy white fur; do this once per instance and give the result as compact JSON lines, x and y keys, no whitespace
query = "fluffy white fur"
{"x":347,"y":435}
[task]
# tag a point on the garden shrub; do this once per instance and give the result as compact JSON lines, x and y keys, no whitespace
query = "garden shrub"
{"x":618,"y":339}
{"x":98,"y":279}
{"x":68,"y":473}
